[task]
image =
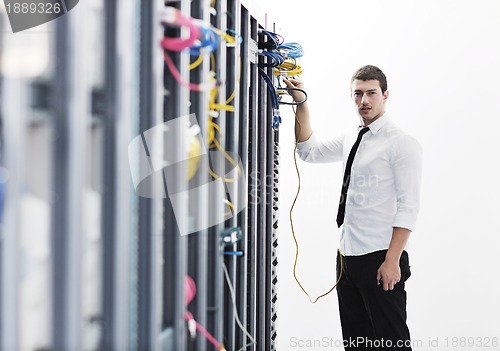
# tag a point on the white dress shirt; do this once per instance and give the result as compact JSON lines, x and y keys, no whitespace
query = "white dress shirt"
{"x":384,"y":190}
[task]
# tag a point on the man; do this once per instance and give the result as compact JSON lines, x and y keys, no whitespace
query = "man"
{"x":377,"y":212}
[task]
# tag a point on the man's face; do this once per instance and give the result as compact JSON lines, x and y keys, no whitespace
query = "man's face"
{"x":369,"y":100}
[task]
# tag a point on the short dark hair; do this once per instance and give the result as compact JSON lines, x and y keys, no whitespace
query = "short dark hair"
{"x":370,"y":72}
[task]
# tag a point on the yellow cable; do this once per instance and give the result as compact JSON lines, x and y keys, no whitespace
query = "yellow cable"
{"x":293,"y":230}
{"x":231,"y":40}
{"x":289,"y":68}
{"x":213,"y":142}
{"x":231,"y":207}
{"x":231,"y":160}
{"x":215,"y":90}
{"x":213,"y":127}
{"x":196,"y":62}
{"x":194,"y":156}
{"x":212,"y":61}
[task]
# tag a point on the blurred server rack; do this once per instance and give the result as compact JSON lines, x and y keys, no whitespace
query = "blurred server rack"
{"x":116,"y":262}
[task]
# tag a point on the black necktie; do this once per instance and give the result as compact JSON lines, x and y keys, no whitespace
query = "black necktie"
{"x":347,"y":177}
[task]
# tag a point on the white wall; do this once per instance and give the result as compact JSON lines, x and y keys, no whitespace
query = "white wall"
{"x":442,"y":60}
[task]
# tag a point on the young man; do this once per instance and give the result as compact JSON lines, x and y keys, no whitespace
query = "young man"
{"x":377,"y":212}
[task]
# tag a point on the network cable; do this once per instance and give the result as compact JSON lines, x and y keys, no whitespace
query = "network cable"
{"x":274,"y":99}
{"x":235,"y":309}
{"x":289,"y":68}
{"x":273,"y":42}
{"x":171,"y":16}
{"x":209,"y":41}
{"x":202,"y":39}
{"x":193,"y":325}
{"x":276,"y":57}
{"x":293,"y":230}
{"x":283,"y":58}
{"x":293,"y":50}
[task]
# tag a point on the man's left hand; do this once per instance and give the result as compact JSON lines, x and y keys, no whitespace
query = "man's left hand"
{"x":389,"y":274}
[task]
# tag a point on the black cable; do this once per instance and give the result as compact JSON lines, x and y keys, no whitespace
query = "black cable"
{"x":272,"y":43}
{"x":295,"y":102}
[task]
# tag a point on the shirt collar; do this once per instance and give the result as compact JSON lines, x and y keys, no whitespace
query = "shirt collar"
{"x":378,"y":124}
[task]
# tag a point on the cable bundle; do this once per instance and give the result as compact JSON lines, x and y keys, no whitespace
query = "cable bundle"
{"x":203,"y":38}
{"x":283,"y":58}
{"x":290,"y":67}
{"x":273,"y":40}
{"x":276,"y":57}
{"x":209,"y":40}
{"x":173,"y":17}
{"x":293,"y":50}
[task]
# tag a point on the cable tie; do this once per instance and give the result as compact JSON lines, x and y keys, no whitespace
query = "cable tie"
{"x":192,"y":327}
{"x":207,"y":85}
{"x":231,"y":235}
{"x":169,"y":15}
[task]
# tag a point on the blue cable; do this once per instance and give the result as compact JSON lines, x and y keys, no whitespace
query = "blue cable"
{"x":278,"y":51}
{"x":234,"y":253}
{"x":274,"y":99}
{"x":294,"y":50}
{"x":276,"y":57}
{"x":209,"y":40}
{"x":273,"y":43}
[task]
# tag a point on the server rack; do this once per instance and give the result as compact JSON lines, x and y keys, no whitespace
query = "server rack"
{"x":120,"y":282}
{"x":249,"y":134}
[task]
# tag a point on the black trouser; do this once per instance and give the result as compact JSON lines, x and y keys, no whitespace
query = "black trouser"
{"x":371,"y":318}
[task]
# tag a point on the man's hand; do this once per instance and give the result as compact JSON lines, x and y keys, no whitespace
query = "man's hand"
{"x":293,"y":83}
{"x":303,"y":129}
{"x":389,"y":274}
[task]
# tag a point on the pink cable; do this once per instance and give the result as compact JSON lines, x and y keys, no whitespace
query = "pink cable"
{"x":177,"y":75}
{"x":188,"y":316}
{"x":176,"y":18}
{"x":179,"y":44}
{"x":190,"y":289}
